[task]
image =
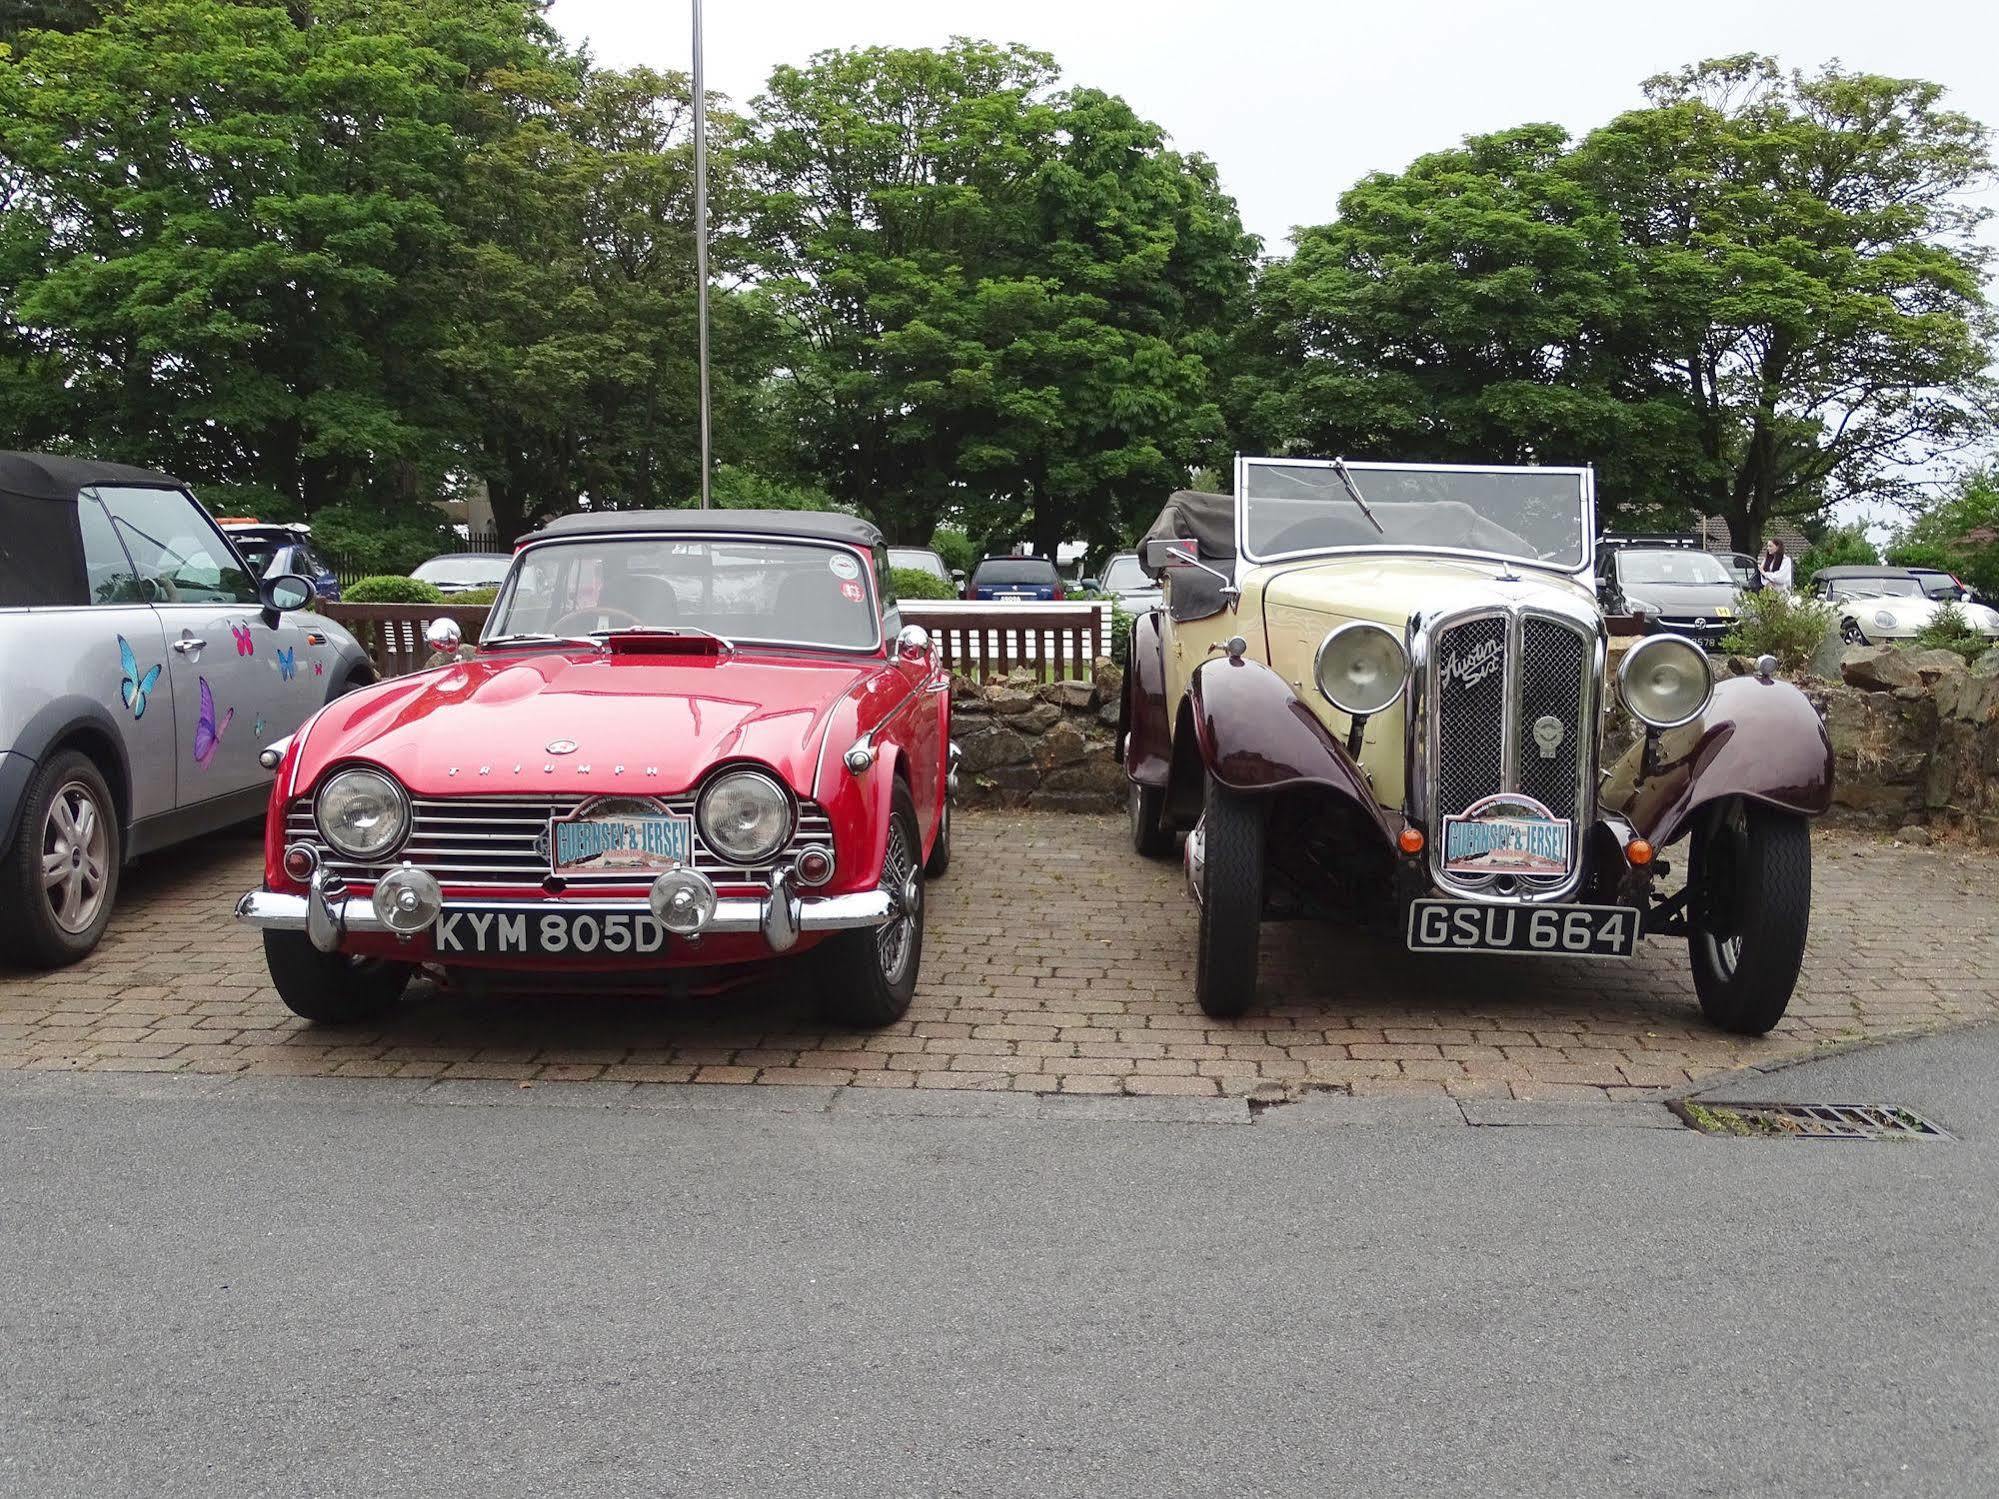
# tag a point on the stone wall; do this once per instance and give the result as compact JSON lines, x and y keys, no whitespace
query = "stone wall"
{"x":1029,"y":743}
{"x":1916,"y":735}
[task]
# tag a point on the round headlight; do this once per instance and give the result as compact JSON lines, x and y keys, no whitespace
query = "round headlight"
{"x":1361,"y":667}
{"x":362,"y":813}
{"x":744,"y":816}
{"x":1884,"y":619}
{"x":1665,"y":681}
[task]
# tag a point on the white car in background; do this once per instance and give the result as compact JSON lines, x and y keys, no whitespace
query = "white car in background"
{"x":1889,"y":603}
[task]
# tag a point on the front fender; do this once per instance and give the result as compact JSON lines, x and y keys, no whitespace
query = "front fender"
{"x":1758,"y":739}
{"x":1256,"y":737}
{"x":1142,"y":728}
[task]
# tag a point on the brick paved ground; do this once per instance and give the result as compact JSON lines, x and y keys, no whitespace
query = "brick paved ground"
{"x":1055,"y":961}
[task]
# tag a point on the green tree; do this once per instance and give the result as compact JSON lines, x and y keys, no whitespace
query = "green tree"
{"x":1958,"y":532}
{"x":1480,"y":306}
{"x":1813,"y":294}
{"x":1839,"y":546}
{"x":1007,"y":296}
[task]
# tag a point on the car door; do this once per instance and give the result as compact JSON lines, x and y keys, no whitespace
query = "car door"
{"x":920,"y":731}
{"x":237,"y":681}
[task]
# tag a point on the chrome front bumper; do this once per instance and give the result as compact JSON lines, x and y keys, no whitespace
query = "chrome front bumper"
{"x":327,"y":914}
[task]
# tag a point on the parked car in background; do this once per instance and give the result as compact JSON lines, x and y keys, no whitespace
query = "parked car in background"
{"x":1944,"y":587}
{"x":1678,"y":590}
{"x":690,"y":741}
{"x":1375,"y":693}
{"x":1014,"y":579}
{"x":923,"y":560}
{"x":1890,"y":603}
{"x":461,"y":572}
{"x":143,"y":666}
{"x":1126,"y":580}
{"x":275,"y":550}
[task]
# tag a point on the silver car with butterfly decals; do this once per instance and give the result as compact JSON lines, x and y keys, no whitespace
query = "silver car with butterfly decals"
{"x":142,"y":668}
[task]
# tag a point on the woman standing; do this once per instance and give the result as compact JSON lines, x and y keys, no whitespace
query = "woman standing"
{"x":1775,"y":566}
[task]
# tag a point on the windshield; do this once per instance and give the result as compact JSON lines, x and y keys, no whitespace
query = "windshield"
{"x":1672,"y":567}
{"x":479,"y":569}
{"x":1874,"y":588}
{"x":921,"y":560}
{"x":783,"y":592}
{"x":1036,"y":570}
{"x":257,"y":553}
{"x":1124,"y":575}
{"x":1536,"y":515}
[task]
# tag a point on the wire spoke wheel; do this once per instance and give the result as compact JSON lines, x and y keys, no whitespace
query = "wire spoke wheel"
{"x":892,"y":938}
{"x":76,"y":857}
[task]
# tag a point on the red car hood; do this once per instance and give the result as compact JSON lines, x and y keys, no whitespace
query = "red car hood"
{"x":639,"y":723}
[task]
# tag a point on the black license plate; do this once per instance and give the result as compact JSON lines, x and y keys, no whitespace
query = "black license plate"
{"x":1561,"y":931}
{"x":539,"y":932}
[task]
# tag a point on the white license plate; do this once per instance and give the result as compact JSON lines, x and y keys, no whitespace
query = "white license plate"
{"x":539,"y":932}
{"x":1571,"y":931}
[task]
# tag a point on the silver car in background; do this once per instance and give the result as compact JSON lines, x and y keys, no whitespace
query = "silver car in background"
{"x":142,"y":668}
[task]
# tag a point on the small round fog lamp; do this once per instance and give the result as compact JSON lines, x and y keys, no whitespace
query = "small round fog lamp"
{"x":683,"y":901}
{"x":407,"y":900}
{"x":815,"y":866}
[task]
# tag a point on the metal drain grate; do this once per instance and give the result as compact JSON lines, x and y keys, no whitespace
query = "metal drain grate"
{"x":1812,"y":1121}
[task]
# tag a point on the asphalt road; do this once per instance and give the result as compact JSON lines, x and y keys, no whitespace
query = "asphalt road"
{"x":320,"y":1287}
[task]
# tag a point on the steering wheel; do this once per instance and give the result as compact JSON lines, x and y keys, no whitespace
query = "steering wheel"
{"x":586,"y":620}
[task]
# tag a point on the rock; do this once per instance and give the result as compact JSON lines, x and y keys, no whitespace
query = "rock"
{"x":1099,"y":774}
{"x":1008,"y":700}
{"x":1036,"y":720}
{"x":1110,"y":680}
{"x":1066,"y":801}
{"x":1108,"y":713}
{"x":1070,"y":694}
{"x":1933,"y":666}
{"x":1020,"y":677}
{"x":1877,"y":668}
{"x":1825,"y":660}
{"x":1987,"y":666}
{"x":1915,"y":834}
{"x":1062,"y":745}
{"x":995,"y":747}
{"x":1014,"y":778}
{"x":965,"y":691}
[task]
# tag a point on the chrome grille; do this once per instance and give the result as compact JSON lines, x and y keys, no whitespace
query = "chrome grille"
{"x":1553,"y":659}
{"x":1471,"y":712}
{"x":502,"y":841}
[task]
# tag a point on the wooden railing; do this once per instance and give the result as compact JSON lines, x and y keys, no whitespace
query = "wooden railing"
{"x":1053,"y":640}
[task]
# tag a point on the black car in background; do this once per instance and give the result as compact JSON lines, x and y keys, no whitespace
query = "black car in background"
{"x":1678,"y":590}
{"x":1014,"y":580}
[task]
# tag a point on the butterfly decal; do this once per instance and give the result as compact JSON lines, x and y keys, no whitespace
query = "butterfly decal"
{"x":257,"y":728}
{"x":135,"y":689}
{"x":288,"y":663}
{"x":245,"y":646}
{"x":319,"y":668}
{"x":207,"y":732}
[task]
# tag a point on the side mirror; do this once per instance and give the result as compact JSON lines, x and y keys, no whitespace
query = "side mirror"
{"x":285,"y":592}
{"x":912,"y":643}
{"x":1087,"y":585}
{"x":443,"y":634}
{"x":1164,"y":552}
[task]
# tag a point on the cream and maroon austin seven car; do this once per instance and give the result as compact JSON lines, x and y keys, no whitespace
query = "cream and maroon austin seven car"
{"x":688,"y":742}
{"x":1378,"y":691}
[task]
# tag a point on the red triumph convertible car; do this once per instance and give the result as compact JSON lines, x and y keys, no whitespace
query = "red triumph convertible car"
{"x":688,"y":741}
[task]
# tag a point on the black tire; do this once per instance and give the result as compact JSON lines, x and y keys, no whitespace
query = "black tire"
{"x":332,"y":988}
{"x":867,"y":977}
{"x":1750,"y":911}
{"x":1145,"y":808}
{"x":1232,"y":832}
{"x":1851,"y":633}
{"x":939,"y":863}
{"x":59,"y":924}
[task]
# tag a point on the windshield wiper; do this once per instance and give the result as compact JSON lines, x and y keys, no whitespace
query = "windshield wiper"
{"x":536,"y":637}
{"x":721,"y":640}
{"x":1340,"y":468}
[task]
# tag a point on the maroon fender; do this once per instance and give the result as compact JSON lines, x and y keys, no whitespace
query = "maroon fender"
{"x":1758,"y":739}
{"x":1142,"y":727}
{"x":1255,"y":736}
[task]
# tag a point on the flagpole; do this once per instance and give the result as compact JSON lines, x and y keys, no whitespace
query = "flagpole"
{"x":701,"y":243}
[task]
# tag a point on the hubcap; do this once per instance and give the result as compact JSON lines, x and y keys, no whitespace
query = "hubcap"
{"x":76,"y":856}
{"x":895,"y":939}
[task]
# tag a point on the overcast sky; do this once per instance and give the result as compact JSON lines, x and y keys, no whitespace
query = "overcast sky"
{"x":1295,"y":99}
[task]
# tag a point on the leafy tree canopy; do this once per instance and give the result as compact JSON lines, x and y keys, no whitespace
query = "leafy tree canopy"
{"x":1958,"y":533}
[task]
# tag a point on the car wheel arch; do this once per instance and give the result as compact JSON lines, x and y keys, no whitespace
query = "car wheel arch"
{"x":85,"y":726}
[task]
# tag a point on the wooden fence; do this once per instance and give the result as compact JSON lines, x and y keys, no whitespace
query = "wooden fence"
{"x":1052,"y":640}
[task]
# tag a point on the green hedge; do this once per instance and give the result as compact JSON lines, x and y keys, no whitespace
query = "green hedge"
{"x":915,"y":583}
{"x":473,"y":596}
{"x":1777,"y":622}
{"x":390,"y":589}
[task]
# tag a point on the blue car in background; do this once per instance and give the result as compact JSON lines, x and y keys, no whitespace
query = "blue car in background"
{"x":1014,"y":580}
{"x":274,"y":550}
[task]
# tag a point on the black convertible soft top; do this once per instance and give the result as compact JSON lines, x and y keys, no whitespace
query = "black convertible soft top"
{"x":1197,"y":516}
{"x":815,"y":525}
{"x":48,"y":476}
